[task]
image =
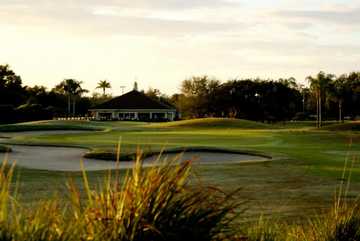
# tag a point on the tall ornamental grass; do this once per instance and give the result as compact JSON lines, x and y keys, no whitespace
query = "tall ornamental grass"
{"x":154,"y":203}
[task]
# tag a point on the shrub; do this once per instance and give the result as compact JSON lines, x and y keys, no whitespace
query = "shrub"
{"x":154,"y":203}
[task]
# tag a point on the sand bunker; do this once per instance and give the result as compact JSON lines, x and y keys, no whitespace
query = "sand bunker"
{"x":68,"y":158}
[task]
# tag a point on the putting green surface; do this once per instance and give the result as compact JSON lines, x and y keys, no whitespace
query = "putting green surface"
{"x":307,"y":166}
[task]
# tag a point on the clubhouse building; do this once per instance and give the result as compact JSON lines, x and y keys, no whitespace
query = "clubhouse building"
{"x":134,"y":105}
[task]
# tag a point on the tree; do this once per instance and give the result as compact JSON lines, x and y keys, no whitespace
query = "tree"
{"x":290,"y":82}
{"x":338,"y":93}
{"x":103,"y":84}
{"x":352,"y":97}
{"x":11,"y":90}
{"x":198,"y":95}
{"x":72,"y":89}
{"x":78,"y":92}
{"x":320,"y":85}
{"x":153,"y":93}
{"x":97,"y":99}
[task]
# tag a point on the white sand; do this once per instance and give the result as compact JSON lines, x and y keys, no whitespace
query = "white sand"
{"x":68,"y":158}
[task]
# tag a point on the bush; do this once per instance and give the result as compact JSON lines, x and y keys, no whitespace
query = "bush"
{"x":302,"y":116}
{"x":31,"y":112}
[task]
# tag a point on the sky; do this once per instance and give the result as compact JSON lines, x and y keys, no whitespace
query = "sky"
{"x":159,"y":43}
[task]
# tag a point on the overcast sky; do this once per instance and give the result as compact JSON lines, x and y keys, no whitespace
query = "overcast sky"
{"x":162,"y":42}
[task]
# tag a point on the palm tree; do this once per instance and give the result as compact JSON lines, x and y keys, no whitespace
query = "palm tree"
{"x":338,"y":92}
{"x":72,"y":88}
{"x":78,"y":92}
{"x":103,"y":84}
{"x":319,"y":85}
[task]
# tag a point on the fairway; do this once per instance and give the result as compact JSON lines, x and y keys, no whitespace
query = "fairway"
{"x":306,"y":168}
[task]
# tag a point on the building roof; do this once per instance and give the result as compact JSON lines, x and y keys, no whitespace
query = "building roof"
{"x":133,"y":100}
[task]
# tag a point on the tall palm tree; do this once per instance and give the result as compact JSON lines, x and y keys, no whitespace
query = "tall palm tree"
{"x":77,"y":93}
{"x":320,"y":85}
{"x":103,"y":84}
{"x":338,"y":92}
{"x":72,"y":88}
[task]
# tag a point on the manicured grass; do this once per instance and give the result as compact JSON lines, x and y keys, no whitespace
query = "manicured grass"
{"x":321,"y":152}
{"x":50,"y":125}
{"x":301,"y":179}
{"x":214,"y":123}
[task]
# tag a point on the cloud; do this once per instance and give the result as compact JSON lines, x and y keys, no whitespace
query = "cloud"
{"x":134,"y":4}
{"x":337,"y":17}
{"x":160,"y":39}
{"x":137,"y":17}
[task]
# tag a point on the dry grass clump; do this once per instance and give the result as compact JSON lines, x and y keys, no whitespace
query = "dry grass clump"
{"x":148,"y":204}
{"x":340,"y":223}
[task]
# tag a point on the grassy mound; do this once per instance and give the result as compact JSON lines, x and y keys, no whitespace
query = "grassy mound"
{"x":50,"y":125}
{"x":350,"y":126}
{"x":215,"y":123}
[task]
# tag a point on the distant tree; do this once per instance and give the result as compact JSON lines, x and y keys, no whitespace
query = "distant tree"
{"x":36,"y":94}
{"x":97,"y":99}
{"x":338,"y":92}
{"x":11,"y":90}
{"x":320,"y":85}
{"x":289,"y":82}
{"x":198,"y":95}
{"x":352,"y":97}
{"x":262,"y":100}
{"x":103,"y":84}
{"x":156,"y":94}
{"x":305,"y":92}
{"x":153,"y":93}
{"x":72,"y":89}
{"x":77,"y":94}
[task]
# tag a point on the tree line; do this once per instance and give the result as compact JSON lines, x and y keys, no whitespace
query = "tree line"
{"x":326,"y":97}
{"x":25,"y":103}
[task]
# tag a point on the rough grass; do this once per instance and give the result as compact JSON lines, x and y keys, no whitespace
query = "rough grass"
{"x":148,"y":204}
{"x":159,"y":204}
{"x":214,"y":123}
{"x":350,"y":126}
{"x":340,"y":223}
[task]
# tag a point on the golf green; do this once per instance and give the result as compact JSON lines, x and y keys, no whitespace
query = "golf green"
{"x":307,"y":163}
